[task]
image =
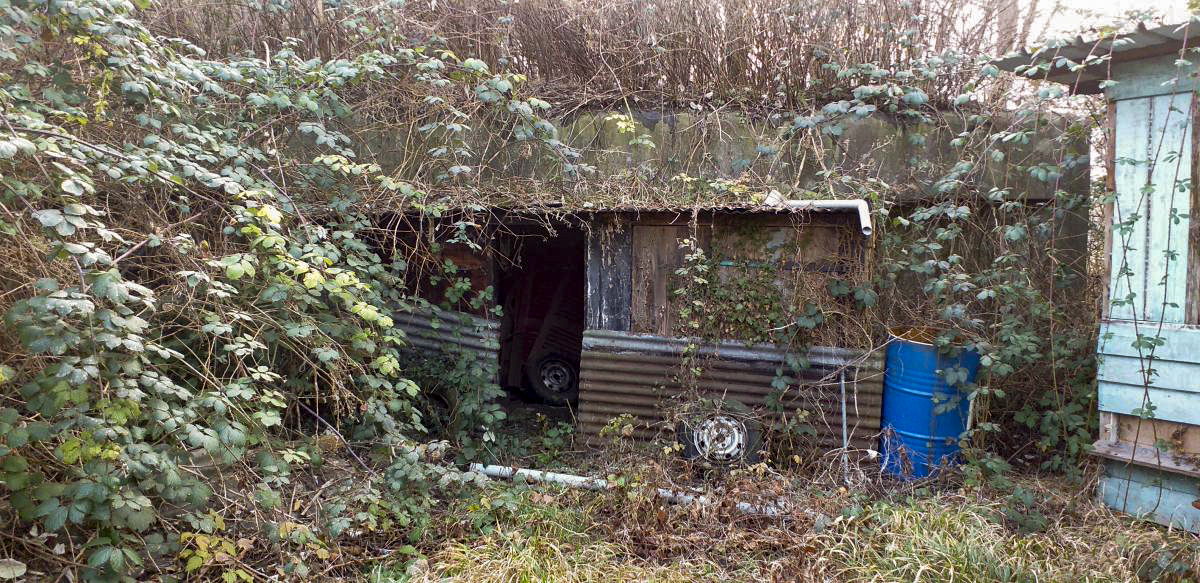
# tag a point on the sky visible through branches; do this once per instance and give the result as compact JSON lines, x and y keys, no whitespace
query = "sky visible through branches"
{"x":1076,"y":13}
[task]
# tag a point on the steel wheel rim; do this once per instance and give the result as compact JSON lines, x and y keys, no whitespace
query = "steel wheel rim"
{"x":721,"y":438}
{"x":556,"y":376}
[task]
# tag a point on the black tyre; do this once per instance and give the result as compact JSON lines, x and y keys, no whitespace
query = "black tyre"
{"x":554,"y":379}
{"x":720,"y":432}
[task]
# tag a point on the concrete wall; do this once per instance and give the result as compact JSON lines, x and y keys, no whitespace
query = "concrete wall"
{"x":909,"y":158}
{"x":905,"y":160}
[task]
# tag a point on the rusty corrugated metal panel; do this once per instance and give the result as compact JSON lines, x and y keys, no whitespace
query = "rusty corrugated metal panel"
{"x":616,"y":341}
{"x":452,"y":331}
{"x":639,"y":375}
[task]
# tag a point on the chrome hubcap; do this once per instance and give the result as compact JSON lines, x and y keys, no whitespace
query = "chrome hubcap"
{"x":556,"y":376}
{"x":720,"y":438}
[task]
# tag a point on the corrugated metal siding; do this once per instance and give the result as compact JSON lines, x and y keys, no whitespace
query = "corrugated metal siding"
{"x":638,"y":374}
{"x":1174,"y":390}
{"x":451,"y":331}
{"x":1153,"y":149}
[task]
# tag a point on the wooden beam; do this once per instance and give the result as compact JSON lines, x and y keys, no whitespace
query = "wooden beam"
{"x":1192,"y":298}
{"x":1147,"y":457}
{"x":1110,"y":186}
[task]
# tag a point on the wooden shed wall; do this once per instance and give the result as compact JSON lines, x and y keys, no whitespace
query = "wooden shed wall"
{"x":1153,"y":146}
{"x":633,"y":356}
{"x":1164,"y":497}
{"x":1172,"y":389}
{"x":609,"y":272}
{"x":1149,"y":348}
{"x":633,"y":258}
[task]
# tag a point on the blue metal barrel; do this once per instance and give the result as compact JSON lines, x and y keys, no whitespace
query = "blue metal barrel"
{"x":922,"y":415}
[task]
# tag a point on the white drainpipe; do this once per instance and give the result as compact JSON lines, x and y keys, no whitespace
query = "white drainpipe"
{"x":858,"y":204}
{"x":674,"y":497}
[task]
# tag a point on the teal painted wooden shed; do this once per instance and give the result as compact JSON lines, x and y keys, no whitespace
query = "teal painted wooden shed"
{"x":1149,"y":347}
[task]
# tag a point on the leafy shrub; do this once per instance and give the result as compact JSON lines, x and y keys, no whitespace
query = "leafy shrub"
{"x":205,"y":280}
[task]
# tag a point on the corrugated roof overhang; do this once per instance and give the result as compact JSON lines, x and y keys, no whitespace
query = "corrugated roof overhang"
{"x":1142,"y":43}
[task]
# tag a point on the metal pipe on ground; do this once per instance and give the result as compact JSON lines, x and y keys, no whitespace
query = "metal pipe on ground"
{"x":584,"y":482}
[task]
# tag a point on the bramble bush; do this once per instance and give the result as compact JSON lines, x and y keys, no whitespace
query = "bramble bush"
{"x":197,"y":300}
{"x":193,"y":280}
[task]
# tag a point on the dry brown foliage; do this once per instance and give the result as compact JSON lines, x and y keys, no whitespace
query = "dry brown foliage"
{"x":760,"y":53}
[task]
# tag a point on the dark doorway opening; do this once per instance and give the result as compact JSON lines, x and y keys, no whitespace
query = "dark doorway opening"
{"x":540,"y":283}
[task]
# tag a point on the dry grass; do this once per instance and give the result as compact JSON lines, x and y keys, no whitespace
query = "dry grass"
{"x":952,"y":535}
{"x":513,"y":557}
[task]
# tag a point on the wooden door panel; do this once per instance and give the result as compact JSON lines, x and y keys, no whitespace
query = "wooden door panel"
{"x":656,"y":257}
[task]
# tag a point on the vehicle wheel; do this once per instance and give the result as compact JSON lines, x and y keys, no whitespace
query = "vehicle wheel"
{"x":721,"y":432}
{"x":554,"y":380}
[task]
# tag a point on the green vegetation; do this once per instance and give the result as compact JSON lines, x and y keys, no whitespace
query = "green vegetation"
{"x":194,"y":289}
{"x":202,"y":379}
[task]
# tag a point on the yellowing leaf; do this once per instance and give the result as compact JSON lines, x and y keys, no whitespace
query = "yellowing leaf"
{"x":270,"y":213}
{"x":313,"y":279}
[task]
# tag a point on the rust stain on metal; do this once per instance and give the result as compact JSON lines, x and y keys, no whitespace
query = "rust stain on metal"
{"x":623,"y":373}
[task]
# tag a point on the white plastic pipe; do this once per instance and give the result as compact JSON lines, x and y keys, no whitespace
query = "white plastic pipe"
{"x":845,"y":428}
{"x":859,"y":205}
{"x":531,"y":476}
